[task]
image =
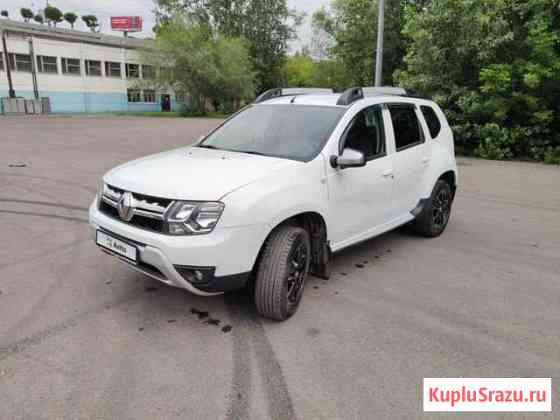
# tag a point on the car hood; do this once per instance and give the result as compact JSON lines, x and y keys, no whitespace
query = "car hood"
{"x":193,"y":173}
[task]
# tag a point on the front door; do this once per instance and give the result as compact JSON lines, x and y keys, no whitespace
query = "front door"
{"x":360,"y":199}
{"x":165,"y":103}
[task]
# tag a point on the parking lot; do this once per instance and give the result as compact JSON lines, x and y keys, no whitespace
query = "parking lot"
{"x":83,"y":336}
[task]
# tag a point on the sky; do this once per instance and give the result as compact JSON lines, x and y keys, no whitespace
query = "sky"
{"x":104,"y":9}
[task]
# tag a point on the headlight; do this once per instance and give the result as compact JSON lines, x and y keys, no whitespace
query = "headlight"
{"x":100,"y":191}
{"x":193,"y":218}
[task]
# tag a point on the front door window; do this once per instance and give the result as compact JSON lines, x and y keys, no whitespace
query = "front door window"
{"x":366,"y":133}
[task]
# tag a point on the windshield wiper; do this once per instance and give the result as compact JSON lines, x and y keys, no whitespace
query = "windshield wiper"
{"x":209,"y":146}
{"x":251,"y":152}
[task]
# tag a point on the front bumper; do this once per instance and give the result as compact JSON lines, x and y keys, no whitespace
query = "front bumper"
{"x":229,"y":252}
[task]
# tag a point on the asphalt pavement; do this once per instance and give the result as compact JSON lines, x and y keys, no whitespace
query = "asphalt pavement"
{"x":84,"y":337}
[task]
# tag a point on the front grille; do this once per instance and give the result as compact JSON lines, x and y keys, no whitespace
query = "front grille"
{"x":148,"y":212}
{"x":108,"y":210}
{"x":147,"y":223}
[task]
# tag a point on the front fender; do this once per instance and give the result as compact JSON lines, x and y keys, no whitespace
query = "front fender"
{"x":278,"y":196}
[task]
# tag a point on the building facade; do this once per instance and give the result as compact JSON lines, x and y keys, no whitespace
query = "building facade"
{"x":79,"y":71}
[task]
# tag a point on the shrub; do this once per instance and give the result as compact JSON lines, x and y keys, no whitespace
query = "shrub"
{"x":495,"y":142}
{"x":552,"y":155}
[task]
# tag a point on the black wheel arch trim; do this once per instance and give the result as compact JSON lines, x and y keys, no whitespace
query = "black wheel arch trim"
{"x":419,"y":208}
{"x":417,"y":211}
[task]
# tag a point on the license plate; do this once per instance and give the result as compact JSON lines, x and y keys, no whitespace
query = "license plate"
{"x":117,"y":246}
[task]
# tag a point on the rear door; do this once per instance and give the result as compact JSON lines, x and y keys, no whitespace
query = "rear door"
{"x":412,"y":157}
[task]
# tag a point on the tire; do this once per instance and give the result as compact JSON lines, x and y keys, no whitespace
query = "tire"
{"x":281,"y":273}
{"x":433,"y":219}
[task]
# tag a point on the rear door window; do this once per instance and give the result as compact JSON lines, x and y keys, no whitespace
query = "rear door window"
{"x":408,"y":132}
{"x":434,"y":124}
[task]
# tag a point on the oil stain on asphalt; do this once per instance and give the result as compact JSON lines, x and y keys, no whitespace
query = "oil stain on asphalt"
{"x":210,"y":321}
{"x":199,"y":313}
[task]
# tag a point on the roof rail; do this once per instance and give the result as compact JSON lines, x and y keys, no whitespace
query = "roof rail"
{"x":350,"y":95}
{"x":356,"y":93}
{"x":384,"y":90}
{"x":279,"y":92}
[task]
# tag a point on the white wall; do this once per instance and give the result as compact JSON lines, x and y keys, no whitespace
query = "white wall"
{"x":66,"y":82}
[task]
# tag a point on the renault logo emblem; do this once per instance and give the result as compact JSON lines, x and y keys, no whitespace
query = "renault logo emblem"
{"x":125,"y":207}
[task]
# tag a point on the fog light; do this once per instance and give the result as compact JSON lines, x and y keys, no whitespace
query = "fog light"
{"x":196,"y":275}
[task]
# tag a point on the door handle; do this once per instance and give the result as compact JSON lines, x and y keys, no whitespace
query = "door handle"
{"x":388,"y":174}
{"x":425,"y":160}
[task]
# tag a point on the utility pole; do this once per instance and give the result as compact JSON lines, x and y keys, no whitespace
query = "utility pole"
{"x":33,"y":69}
{"x":379,"y":54}
{"x":11,"y":91}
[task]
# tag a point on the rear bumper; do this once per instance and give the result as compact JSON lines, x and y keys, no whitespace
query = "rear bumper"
{"x":225,"y":256}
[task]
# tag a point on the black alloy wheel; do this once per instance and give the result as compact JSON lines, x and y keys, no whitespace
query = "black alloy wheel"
{"x":281,"y":272}
{"x":435,"y":215}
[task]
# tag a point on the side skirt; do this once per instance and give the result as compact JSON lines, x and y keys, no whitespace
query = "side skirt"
{"x":372,"y":233}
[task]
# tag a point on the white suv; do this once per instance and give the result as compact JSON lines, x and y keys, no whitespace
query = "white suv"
{"x":270,"y":194}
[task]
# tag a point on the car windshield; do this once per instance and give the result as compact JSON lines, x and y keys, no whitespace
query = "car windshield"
{"x":284,"y":131}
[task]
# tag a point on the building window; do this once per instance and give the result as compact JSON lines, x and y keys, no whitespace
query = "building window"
{"x":93,"y":68}
{"x":148,"y":72}
{"x":132,"y":71}
{"x":47,"y":64}
{"x":133,"y":95}
{"x":71,"y":66}
{"x":149,"y":95}
{"x":112,"y":69}
{"x":20,"y":62}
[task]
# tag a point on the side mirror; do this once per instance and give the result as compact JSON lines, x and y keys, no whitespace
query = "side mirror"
{"x":350,"y":158}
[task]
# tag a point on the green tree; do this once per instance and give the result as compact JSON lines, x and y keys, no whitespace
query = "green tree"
{"x":267,"y":25}
{"x":26,"y":14}
{"x":322,"y":38}
{"x":330,"y":74}
{"x":53,"y":15}
{"x":495,"y":67}
{"x":350,"y":30}
{"x":207,"y":66}
{"x":268,"y":32}
{"x":71,"y":18}
{"x":38,"y":18}
{"x":298,"y":71}
{"x":91,"y":22}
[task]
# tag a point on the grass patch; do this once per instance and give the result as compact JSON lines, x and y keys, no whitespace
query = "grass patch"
{"x":183,"y":114}
{"x":149,"y":114}
{"x":219,"y":115}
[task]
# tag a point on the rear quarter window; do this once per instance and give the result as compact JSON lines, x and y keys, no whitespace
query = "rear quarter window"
{"x":434,"y":124}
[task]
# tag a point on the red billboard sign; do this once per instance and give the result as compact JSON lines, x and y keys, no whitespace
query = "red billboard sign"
{"x":126,"y":23}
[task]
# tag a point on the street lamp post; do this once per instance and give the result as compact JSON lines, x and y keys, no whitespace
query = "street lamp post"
{"x":379,"y":54}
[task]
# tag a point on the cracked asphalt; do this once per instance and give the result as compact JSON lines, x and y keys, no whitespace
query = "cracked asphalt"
{"x":84,"y":337}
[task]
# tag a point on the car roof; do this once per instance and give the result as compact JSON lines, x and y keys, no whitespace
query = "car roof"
{"x":331,"y":100}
